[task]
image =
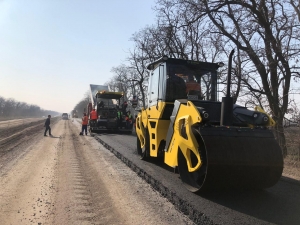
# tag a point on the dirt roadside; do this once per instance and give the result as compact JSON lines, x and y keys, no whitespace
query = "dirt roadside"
{"x":291,"y":169}
{"x":72,"y":179}
{"x":292,"y":161}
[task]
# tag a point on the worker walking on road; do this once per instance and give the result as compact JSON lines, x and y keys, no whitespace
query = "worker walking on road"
{"x":47,"y":125}
{"x":85,"y":121}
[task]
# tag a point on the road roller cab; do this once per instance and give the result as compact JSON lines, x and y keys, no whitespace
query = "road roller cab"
{"x":215,"y":144}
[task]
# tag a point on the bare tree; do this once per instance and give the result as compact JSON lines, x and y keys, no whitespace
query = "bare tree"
{"x":296,"y":7}
{"x":266,"y":32}
{"x":140,"y":74}
{"x":2,"y":102}
{"x":167,"y":38}
{"x":81,"y":106}
{"x":120,"y":80}
{"x":9,"y":107}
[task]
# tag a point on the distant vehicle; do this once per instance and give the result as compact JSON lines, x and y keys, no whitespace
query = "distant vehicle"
{"x":106,"y":104}
{"x":65,"y":116}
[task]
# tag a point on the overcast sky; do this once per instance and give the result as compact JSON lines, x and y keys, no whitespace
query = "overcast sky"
{"x":51,"y":50}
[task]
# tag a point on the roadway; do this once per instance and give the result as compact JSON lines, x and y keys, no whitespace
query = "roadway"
{"x":279,"y":204}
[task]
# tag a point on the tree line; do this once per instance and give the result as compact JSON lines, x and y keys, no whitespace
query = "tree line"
{"x":81,"y":106}
{"x":10,"y":108}
{"x":264,"y":34}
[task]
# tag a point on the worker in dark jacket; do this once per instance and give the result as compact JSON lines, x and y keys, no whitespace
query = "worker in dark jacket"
{"x":47,"y":125}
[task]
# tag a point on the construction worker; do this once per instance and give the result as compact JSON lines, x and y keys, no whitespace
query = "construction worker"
{"x":120,"y":117}
{"x":93,"y":117}
{"x":85,"y":121}
{"x":193,"y":88}
{"x":128,"y":120}
{"x":47,"y":126}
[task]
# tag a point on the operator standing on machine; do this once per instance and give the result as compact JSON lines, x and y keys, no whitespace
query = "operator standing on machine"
{"x":93,"y":115}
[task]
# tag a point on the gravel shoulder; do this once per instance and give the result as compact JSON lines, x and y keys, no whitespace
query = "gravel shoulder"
{"x":72,"y":179}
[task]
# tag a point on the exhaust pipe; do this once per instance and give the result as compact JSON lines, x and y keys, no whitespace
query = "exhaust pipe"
{"x":227,"y":102}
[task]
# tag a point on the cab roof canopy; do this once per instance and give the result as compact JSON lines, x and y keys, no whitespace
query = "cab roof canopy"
{"x":94,"y":89}
{"x":109,"y":95}
{"x":194,"y":65}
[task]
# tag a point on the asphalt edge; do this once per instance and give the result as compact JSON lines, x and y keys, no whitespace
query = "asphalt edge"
{"x":289,"y":180}
{"x":179,"y":203}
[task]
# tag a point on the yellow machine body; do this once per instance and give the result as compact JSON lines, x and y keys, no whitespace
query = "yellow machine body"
{"x":150,"y":119}
{"x":188,"y":132}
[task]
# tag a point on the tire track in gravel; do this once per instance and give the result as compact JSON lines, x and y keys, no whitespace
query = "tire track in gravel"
{"x":71,"y":179}
{"x":27,"y":184}
{"x":120,"y":196}
{"x":82,"y":197}
{"x":16,"y":147}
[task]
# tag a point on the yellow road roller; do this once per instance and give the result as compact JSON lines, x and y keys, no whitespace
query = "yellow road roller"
{"x":214,"y":144}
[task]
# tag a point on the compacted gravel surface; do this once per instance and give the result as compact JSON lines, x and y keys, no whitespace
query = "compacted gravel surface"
{"x":72,"y":179}
{"x":99,"y":179}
